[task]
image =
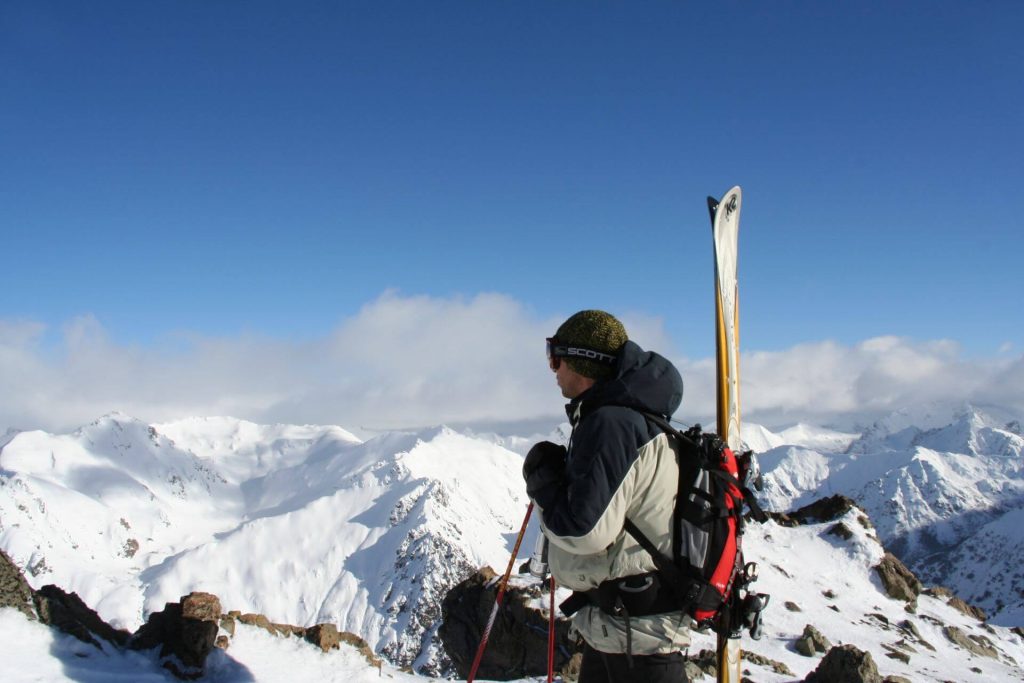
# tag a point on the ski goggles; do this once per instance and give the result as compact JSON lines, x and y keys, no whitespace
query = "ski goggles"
{"x":557,"y":351}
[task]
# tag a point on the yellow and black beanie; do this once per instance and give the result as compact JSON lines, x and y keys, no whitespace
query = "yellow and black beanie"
{"x":595,"y":330}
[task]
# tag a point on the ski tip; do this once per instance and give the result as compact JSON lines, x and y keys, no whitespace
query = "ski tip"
{"x":730,"y":199}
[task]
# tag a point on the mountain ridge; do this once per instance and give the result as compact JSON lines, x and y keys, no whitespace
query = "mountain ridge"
{"x":309,"y":524}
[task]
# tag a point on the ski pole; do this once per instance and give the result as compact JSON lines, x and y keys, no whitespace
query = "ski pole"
{"x":497,"y":600}
{"x":551,"y":635}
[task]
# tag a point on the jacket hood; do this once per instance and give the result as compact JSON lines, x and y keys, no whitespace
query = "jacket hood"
{"x":644,"y":380}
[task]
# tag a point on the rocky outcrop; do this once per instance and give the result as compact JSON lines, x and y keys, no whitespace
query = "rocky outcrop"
{"x":67,"y":612}
{"x":14,"y":590}
{"x":517,"y":645}
{"x":185,"y":632}
{"x":946,"y":595}
{"x":979,"y":645}
{"x":898,"y":581}
{"x":823,"y":510}
{"x":812,"y":642}
{"x":845,"y":664}
{"x":54,"y":607}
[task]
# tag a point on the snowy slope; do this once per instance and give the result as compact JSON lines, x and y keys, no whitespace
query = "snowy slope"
{"x":832,"y":586}
{"x":938,"y":494}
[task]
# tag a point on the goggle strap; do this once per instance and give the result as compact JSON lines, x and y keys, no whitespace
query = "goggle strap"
{"x":583,"y":353}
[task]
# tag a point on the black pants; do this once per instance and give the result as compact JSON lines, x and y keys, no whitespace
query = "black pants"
{"x":601,"y":667}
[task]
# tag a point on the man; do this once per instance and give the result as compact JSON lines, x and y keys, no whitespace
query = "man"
{"x":618,"y":465}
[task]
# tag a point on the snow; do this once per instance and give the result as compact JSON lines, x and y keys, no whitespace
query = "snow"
{"x":33,"y":653}
{"x":308,"y":524}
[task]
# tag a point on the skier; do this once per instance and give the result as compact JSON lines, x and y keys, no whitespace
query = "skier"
{"x":618,"y":462}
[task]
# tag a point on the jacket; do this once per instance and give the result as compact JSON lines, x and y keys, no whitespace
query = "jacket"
{"x":619,"y":464}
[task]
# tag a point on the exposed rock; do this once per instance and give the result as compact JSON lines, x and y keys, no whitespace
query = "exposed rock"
{"x":228,"y":624}
{"x":201,"y":607}
{"x":968,"y":609}
{"x":324,"y":636}
{"x":14,"y":589}
{"x":940,"y":592}
{"x":896,"y":679}
{"x":880,"y":618}
{"x":979,"y":645}
{"x":951,"y":599}
{"x":812,"y":642}
{"x":571,"y":670}
{"x":517,"y":646}
{"x":222,"y":642}
{"x":841,"y":530}
{"x":824,"y":510}
{"x":184,"y":641}
{"x":910,"y":628}
{"x":899,"y":656}
{"x":361,"y":645}
{"x":68,"y":613}
{"x":290,"y":630}
{"x":845,"y":664}
{"x":693,"y":671}
{"x":815,"y":640}
{"x":898,"y":581}
{"x":804,"y":646}
{"x":260,"y":621}
{"x":706,"y":663}
{"x":777,"y":667}
{"x":792,"y":606}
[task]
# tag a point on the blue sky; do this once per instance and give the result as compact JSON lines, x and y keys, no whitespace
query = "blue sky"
{"x":232,"y":170}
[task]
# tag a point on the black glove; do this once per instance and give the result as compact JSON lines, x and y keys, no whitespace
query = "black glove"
{"x":544,"y":471}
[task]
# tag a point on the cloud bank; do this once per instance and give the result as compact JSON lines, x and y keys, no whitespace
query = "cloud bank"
{"x":409,"y":361}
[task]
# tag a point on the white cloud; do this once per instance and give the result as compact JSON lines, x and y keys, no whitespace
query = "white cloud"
{"x":824,"y":380}
{"x":404,"y":361}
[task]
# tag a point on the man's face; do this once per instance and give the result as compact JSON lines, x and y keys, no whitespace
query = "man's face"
{"x":569,"y":381}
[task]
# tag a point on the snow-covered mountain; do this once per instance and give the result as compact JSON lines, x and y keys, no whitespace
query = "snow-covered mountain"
{"x":945,"y":489}
{"x":308,"y":524}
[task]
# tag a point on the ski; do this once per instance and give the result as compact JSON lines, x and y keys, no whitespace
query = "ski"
{"x":725,"y":223}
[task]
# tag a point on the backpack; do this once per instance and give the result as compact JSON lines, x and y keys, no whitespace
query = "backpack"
{"x":705,"y":574}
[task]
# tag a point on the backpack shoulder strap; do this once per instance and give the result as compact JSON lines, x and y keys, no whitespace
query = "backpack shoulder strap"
{"x":748,"y":495}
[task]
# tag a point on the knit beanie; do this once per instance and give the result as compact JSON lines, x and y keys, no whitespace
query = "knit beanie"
{"x":595,"y":330}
